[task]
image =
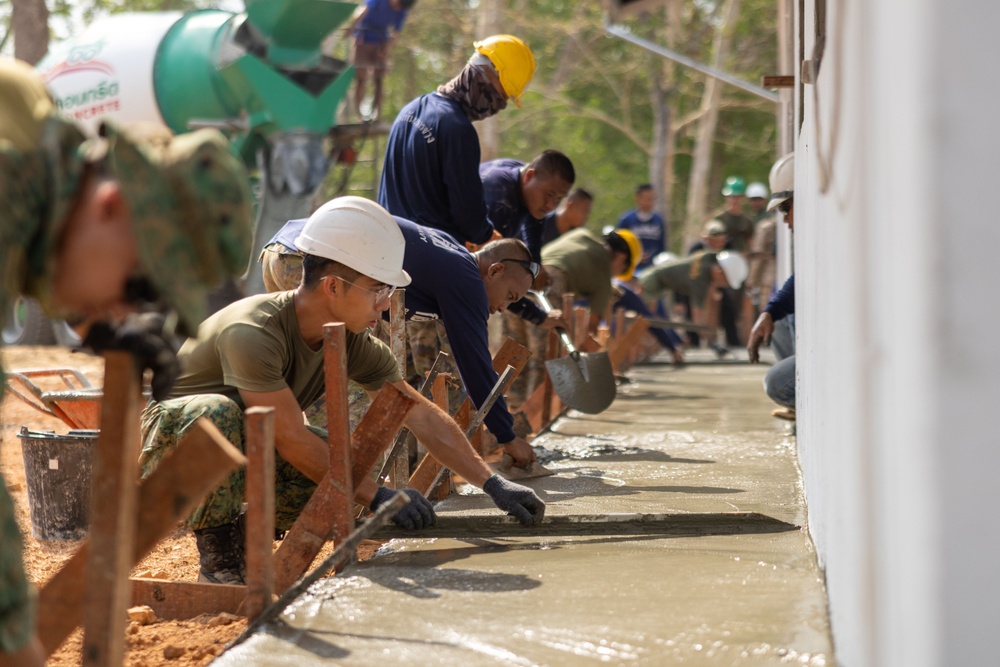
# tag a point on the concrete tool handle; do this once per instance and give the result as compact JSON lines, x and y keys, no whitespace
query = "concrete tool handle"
{"x":563,"y":334}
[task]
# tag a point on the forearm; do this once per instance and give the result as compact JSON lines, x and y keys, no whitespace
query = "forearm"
{"x":303,"y":449}
{"x":442,"y":438}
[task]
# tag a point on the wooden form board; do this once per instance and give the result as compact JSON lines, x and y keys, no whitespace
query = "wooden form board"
{"x":166,"y":497}
{"x":620,"y":349}
{"x":114,"y":493}
{"x":260,"y":510}
{"x":511,"y":354}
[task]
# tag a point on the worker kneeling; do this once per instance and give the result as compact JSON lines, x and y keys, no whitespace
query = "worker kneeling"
{"x":267,"y":350}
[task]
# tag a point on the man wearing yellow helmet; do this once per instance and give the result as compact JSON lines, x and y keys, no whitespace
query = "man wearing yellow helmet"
{"x":431,"y":170}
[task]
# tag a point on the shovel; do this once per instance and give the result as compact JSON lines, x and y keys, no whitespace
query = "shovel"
{"x":584,"y":382}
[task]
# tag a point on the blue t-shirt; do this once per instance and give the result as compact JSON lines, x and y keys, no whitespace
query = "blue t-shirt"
{"x":446,"y":285}
{"x":431,"y":170}
{"x":651,"y":233}
{"x":379,"y":17}
{"x":505,"y":204}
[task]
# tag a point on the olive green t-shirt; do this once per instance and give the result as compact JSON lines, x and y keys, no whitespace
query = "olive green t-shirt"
{"x":691,"y":276}
{"x":255,"y":344}
{"x":586,"y":262}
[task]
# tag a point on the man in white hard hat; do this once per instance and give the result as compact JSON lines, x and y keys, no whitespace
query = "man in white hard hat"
{"x":266,"y":350}
{"x":450,"y":286}
{"x":776,"y":325}
{"x":695,"y":276}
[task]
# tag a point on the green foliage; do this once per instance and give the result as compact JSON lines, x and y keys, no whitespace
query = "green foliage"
{"x":592,"y":95}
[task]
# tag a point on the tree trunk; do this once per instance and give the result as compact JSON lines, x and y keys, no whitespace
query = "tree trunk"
{"x":488,"y":22}
{"x":701,"y":163}
{"x":29,"y":21}
{"x":661,"y":164}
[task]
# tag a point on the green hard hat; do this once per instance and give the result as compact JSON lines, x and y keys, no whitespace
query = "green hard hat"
{"x":734,"y":186}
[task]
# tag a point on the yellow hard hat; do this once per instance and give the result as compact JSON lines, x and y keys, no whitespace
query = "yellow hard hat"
{"x":513,"y":61}
{"x":634,"y":251}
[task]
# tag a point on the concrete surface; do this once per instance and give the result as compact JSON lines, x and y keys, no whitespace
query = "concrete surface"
{"x":698,"y":440}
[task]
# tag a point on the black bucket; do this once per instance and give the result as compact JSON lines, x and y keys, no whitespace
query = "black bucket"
{"x":57,"y":470}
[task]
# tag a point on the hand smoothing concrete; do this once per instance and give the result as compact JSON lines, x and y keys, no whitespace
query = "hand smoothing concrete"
{"x":695,"y":440}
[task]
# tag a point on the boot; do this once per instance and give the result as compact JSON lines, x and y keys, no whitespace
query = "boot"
{"x":221,"y":553}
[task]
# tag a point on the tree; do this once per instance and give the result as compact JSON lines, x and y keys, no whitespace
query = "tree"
{"x":29,"y":26}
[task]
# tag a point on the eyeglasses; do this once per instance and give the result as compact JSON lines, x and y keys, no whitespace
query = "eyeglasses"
{"x":531,"y":267}
{"x":381,"y":293}
{"x":786,"y":206}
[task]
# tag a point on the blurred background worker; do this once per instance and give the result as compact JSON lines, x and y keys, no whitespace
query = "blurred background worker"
{"x":646,"y":224}
{"x":776,"y":325}
{"x":573,"y":212}
{"x":375,"y":32}
{"x":431,"y":170}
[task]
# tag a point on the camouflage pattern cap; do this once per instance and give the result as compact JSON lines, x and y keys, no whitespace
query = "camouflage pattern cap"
{"x":191,"y":211}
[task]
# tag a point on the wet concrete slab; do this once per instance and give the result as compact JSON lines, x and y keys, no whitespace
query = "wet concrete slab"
{"x":695,"y":440}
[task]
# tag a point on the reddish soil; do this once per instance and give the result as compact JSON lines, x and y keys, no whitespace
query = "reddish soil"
{"x":193,"y":642}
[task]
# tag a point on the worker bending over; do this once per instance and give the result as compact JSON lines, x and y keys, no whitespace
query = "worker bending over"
{"x":267,"y":350}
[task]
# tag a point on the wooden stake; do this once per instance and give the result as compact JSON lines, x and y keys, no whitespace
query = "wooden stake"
{"x":400,"y":468}
{"x":619,"y":351}
{"x":551,"y":352}
{"x":619,"y":326}
{"x":201,"y":460}
{"x":510,"y":354}
{"x":581,"y":324}
{"x":260,"y":509}
{"x":377,"y":429}
{"x":567,"y":311}
{"x":113,"y":513}
{"x":330,"y":509}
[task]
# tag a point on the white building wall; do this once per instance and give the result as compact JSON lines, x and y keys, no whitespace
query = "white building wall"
{"x":897,"y":280}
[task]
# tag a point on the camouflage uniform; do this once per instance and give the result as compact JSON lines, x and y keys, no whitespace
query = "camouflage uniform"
{"x":166,"y":422}
{"x":282,"y":270}
{"x":189,"y":206}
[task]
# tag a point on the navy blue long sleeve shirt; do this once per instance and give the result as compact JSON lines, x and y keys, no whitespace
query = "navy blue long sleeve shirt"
{"x":782,"y":303}
{"x":446,"y":285}
{"x":505,"y":204}
{"x":431,"y":170}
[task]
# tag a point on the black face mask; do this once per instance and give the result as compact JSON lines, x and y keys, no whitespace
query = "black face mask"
{"x":473,"y":89}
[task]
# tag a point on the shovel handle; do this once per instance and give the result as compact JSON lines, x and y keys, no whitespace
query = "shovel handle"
{"x":563,"y":335}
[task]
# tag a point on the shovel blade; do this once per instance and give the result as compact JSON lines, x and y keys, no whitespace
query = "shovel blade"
{"x":585,"y":383}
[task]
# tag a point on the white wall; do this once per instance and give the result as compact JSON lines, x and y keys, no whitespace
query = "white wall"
{"x":897,"y":282}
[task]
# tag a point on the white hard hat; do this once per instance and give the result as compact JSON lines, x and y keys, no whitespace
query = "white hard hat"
{"x":359,"y":234}
{"x":782,"y":180}
{"x":757,"y":190}
{"x":663,"y":258}
{"x":734,"y":266}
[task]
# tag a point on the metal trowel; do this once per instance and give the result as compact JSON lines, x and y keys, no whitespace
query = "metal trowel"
{"x":506,"y":469}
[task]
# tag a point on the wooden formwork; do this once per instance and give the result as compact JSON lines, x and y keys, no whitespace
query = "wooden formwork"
{"x":93,"y":588}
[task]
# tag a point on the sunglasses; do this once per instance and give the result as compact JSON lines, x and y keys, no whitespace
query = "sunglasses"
{"x":531,"y":267}
{"x":381,"y":294}
{"x":786,"y":206}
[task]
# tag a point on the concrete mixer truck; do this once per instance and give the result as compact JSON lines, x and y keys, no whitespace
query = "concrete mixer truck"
{"x":259,"y":76}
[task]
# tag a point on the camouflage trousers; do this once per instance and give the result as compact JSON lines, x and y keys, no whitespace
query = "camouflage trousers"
{"x":165,"y":423}
{"x":17,"y":601}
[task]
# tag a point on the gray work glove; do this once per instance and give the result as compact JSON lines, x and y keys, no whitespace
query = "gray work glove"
{"x":518,"y":501}
{"x":144,"y":337}
{"x":416,"y":514}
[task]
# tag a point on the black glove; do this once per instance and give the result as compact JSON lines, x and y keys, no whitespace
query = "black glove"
{"x":416,"y":514}
{"x":516,"y":500}
{"x":143,"y":337}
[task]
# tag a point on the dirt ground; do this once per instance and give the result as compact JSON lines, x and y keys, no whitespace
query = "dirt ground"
{"x":193,"y":642}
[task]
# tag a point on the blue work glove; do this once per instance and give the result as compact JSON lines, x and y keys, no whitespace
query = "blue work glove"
{"x":416,"y":514}
{"x":518,"y":501}
{"x":144,"y":337}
